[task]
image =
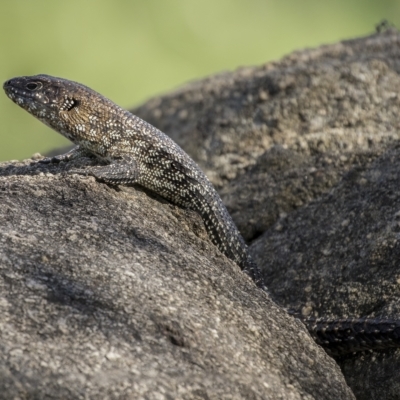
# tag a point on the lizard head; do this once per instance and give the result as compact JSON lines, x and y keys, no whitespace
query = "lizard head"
{"x":64,"y":105}
{"x":41,"y":94}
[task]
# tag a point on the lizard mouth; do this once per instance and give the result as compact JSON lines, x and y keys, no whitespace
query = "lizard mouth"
{"x":15,"y":93}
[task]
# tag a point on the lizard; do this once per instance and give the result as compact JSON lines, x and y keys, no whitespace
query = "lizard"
{"x":135,"y":152}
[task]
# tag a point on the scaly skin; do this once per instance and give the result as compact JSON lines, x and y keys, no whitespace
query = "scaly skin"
{"x":136,"y":152}
{"x":345,"y":336}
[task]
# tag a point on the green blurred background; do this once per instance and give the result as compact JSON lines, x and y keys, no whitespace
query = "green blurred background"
{"x":130,"y":50}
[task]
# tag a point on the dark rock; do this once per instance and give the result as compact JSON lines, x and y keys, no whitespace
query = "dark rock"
{"x":304,"y":153}
{"x":108,"y":292}
{"x":283,"y":180}
{"x":339,"y":98}
{"x":339,"y":256}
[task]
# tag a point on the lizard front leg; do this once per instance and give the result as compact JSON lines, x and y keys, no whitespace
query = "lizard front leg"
{"x":121,"y":171}
{"x":76,"y":152}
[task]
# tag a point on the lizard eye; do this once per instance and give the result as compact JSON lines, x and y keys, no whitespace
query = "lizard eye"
{"x":33,"y":86}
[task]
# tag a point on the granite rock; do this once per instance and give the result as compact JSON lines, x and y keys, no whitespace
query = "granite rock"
{"x":108,"y":292}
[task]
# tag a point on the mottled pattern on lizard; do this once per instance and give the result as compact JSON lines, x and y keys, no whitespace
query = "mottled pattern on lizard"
{"x":135,"y":152}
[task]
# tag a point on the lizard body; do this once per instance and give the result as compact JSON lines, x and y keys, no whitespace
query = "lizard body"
{"x":136,"y":152}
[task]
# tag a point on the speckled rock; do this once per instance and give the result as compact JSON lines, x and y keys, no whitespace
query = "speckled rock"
{"x":284,"y":180}
{"x":328,"y":105}
{"x":304,"y":153}
{"x":110,"y":293}
{"x":339,"y":256}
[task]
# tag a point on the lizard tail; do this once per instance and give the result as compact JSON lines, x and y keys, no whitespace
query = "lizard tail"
{"x":344,"y":336}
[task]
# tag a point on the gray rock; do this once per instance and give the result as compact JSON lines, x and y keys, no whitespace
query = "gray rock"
{"x":304,"y":153}
{"x":338,"y":98}
{"x":338,"y":256}
{"x":100,"y":295}
{"x":283,"y":180}
{"x":110,"y":293}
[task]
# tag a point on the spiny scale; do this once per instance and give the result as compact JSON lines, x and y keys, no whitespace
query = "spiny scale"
{"x":137,"y":152}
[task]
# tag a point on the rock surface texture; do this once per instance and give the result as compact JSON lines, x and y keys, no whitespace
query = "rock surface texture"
{"x":305,"y":154}
{"x":111,"y":292}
